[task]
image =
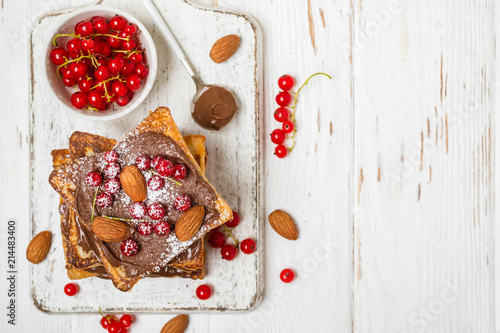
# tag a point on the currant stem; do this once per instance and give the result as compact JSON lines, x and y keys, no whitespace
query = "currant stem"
{"x":120,"y":219}
{"x":226,"y":229}
{"x":156,"y":173}
{"x":91,"y":36}
{"x":93,"y":205}
{"x":295,"y":100}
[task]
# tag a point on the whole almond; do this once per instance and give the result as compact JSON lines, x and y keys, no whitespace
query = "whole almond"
{"x":134,"y":183}
{"x":109,"y":230}
{"x":176,"y":325}
{"x":39,"y":247}
{"x":224,"y":48}
{"x":189,"y":223}
{"x":283,"y":224}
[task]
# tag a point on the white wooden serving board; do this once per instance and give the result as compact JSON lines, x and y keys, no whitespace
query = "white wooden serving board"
{"x":234,"y":162}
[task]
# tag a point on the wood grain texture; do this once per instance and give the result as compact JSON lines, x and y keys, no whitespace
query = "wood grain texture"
{"x":406,"y":260}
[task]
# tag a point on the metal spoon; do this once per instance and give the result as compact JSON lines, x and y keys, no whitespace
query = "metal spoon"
{"x":213,"y":106}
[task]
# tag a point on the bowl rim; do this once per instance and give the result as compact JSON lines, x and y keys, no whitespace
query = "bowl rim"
{"x":152,"y":62}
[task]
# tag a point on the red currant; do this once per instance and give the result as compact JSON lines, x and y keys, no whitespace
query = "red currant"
{"x":165,"y":168}
{"x":104,"y":199}
{"x":93,"y":178}
{"x":101,"y":25}
{"x":70,"y":289}
{"x":287,"y":275}
{"x":84,"y":28}
{"x":155,"y":183}
{"x":129,"y":247}
{"x":68,"y":82}
{"x":85,"y":84}
{"x":280,"y":151}
{"x":286,"y":82}
{"x":234,"y":221}
{"x":113,"y":41}
{"x":104,"y":49}
{"x":119,"y":89}
{"x":143,"y":162}
{"x":115,"y":65}
{"x":88,"y":45}
{"x":78,"y":69}
{"x":182,"y":203}
{"x":102,"y":73}
{"x":145,"y":228}
{"x":122,"y":101}
{"x":180,"y":171}
{"x":112,"y":170}
{"x":111,"y":156}
{"x":217,"y":239}
{"x":162,"y":228}
{"x":114,"y":327}
{"x":117,"y":22}
{"x":278,"y":136}
{"x":128,"y":44}
{"x":228,"y":252}
{"x":130,"y":29}
{"x":137,"y":210}
{"x":134,"y":82}
{"x":128,"y":68}
{"x":66,"y":72}
{"x":141,"y":70}
{"x":203,"y":292}
{"x":156,"y":211}
{"x":106,"y":320}
{"x":79,"y":100}
{"x":126,"y":320}
{"x":288,"y":127}
{"x":59,"y":56}
{"x":247,"y":246}
{"x":112,"y":185}
{"x":156,"y":159}
{"x":136,"y":57}
{"x":283,"y":98}
{"x":94,"y":98}
{"x":281,"y":114}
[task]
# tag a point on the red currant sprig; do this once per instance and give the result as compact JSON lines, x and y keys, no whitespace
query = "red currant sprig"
{"x":282,"y":114}
{"x":114,"y":325}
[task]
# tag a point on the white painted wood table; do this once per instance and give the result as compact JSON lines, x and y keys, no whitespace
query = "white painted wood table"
{"x":391,"y":182}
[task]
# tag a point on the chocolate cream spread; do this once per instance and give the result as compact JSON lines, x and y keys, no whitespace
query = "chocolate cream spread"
{"x":154,"y":251}
{"x":214,"y":108}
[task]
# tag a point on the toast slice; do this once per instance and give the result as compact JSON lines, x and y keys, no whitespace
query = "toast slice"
{"x":157,"y":134}
{"x":82,"y":264}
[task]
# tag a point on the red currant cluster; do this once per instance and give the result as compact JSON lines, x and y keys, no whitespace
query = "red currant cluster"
{"x":217,"y":239}
{"x":283,"y":115}
{"x":138,"y":210}
{"x":114,"y":325}
{"x":106,"y":61}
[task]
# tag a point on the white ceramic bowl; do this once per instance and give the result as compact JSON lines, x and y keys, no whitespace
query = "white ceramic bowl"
{"x":62,"y":94}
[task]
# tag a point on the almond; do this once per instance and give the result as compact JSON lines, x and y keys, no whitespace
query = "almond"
{"x":283,"y":224}
{"x":109,"y":230}
{"x":224,"y":48}
{"x":189,"y":223}
{"x":134,"y":183}
{"x":39,"y":247}
{"x":176,"y":325}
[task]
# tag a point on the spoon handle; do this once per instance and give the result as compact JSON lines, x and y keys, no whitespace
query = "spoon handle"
{"x":169,"y":37}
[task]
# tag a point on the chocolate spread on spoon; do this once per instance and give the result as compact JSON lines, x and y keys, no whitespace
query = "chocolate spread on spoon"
{"x":214,"y":108}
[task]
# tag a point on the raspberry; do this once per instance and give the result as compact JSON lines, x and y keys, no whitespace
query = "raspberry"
{"x":129,"y":247}
{"x":93,"y":179}
{"x":104,"y":199}
{"x":137,"y":210}
{"x":111,"y":156}
{"x":112,"y":170}
{"x":165,"y":168}
{"x":145,"y":228}
{"x":112,"y":185}
{"x":155,"y":183}
{"x":156,"y":159}
{"x":162,"y":228}
{"x":143,"y":162}
{"x":180,"y":171}
{"x":156,"y":211}
{"x":182,"y":203}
